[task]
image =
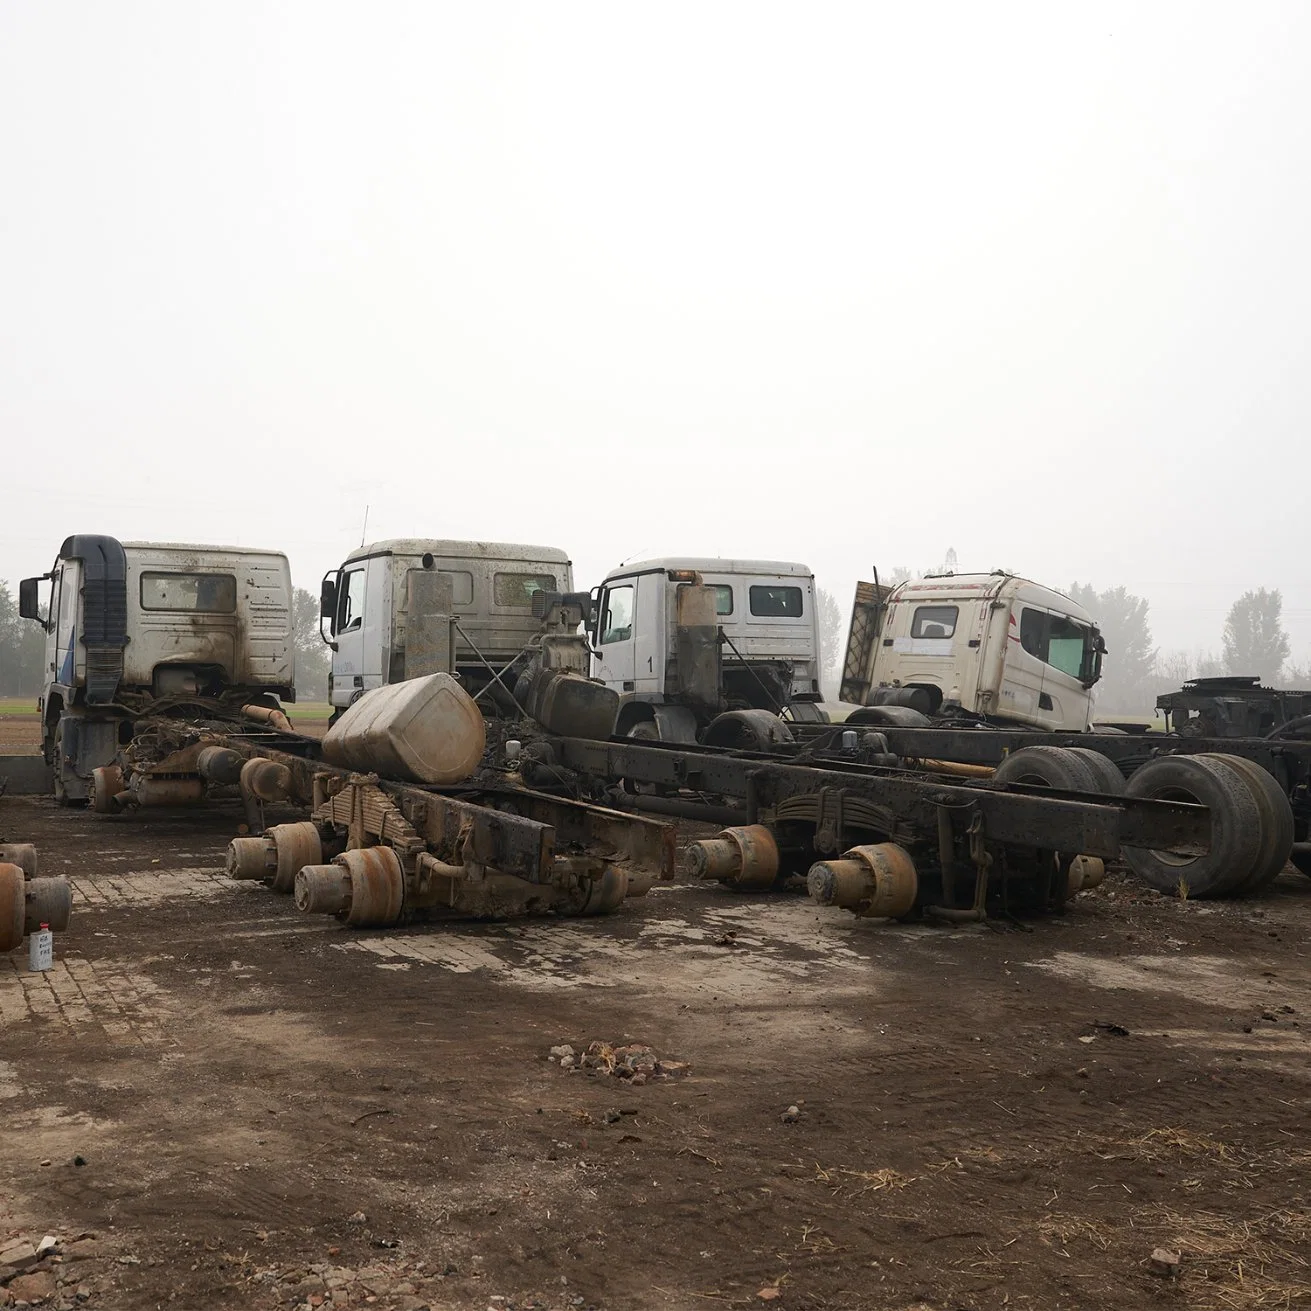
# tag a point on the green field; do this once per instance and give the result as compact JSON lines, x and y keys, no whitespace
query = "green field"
{"x":17,"y":705}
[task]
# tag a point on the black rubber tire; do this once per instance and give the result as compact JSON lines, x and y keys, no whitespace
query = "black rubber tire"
{"x":806,"y":712}
{"x":747,"y":730}
{"x":1276,"y":823}
{"x":12,"y":906}
{"x":1104,"y":769}
{"x":1236,"y":829}
{"x":888,"y":717}
{"x":1048,"y":767}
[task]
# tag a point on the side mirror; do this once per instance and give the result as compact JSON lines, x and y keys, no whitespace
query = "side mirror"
{"x":1091,"y":670}
{"x":29,"y":600}
{"x":328,"y":606}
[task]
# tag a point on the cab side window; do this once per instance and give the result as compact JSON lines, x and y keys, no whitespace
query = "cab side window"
{"x":517,"y":590}
{"x":1054,"y":640}
{"x":617,"y":616}
{"x":350,"y":608}
{"x":461,"y":585}
{"x":63,"y":605}
{"x":774,"y":601}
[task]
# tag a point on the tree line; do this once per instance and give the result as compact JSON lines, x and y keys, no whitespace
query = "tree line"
{"x":22,"y":649}
{"x":1253,"y":641}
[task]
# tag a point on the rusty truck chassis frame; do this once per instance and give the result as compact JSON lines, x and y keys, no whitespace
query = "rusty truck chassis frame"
{"x":972,"y":842}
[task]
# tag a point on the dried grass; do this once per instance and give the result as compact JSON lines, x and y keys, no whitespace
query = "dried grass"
{"x":1265,"y":1262}
{"x":837,"y":1178}
{"x":1155,"y":1143}
{"x":1059,"y":1230}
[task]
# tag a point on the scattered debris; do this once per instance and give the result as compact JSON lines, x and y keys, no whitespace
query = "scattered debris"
{"x":633,"y":1062}
{"x":35,"y":1287}
{"x":380,"y":1110}
{"x":1164,"y":1262}
{"x":1116,"y":1030}
{"x":18,"y":1256}
{"x":82,"y":1248}
{"x":791,"y":1115}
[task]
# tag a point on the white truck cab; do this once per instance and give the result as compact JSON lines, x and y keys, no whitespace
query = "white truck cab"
{"x":366,"y":605}
{"x":137,"y":628}
{"x":994,"y":645}
{"x":767,"y":635}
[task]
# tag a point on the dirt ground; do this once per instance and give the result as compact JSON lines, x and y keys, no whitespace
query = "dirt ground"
{"x":215,"y":1101}
{"x":20,"y":735}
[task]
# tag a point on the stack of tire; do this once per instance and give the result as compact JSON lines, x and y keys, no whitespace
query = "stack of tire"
{"x":1251,"y":819}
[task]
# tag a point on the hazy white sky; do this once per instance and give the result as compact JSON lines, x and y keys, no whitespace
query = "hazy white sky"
{"x":839,"y":283}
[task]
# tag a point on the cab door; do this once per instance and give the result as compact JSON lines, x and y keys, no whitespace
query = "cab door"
{"x":348,"y":632}
{"x":1042,"y":685}
{"x":615,"y":665}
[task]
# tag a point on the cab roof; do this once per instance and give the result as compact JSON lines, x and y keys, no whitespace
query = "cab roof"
{"x":446,"y":547}
{"x":974,"y":587}
{"x":206,"y":548}
{"x":713,"y":565}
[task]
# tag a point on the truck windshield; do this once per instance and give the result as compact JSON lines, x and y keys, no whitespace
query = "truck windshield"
{"x":204,"y":593}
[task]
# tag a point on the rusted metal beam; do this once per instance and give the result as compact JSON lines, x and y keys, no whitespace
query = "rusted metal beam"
{"x":1027,"y":817}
